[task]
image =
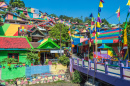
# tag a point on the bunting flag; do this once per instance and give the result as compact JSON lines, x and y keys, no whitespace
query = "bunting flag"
{"x":92,"y":26}
{"x":128,"y":3}
{"x":100,"y":4}
{"x":125,"y":33}
{"x":118,"y":13}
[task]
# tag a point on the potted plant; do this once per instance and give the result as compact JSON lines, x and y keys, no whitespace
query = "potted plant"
{"x":3,"y":66}
{"x":24,"y":64}
{"x":31,"y":64}
{"x":0,"y":65}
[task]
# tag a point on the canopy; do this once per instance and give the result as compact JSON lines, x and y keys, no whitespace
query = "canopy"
{"x":103,"y":46}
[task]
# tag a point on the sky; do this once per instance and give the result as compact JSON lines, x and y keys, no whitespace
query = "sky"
{"x":78,"y":8}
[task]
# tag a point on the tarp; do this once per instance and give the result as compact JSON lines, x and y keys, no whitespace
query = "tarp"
{"x":103,"y":46}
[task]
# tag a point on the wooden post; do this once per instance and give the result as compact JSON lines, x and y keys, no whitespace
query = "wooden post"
{"x":121,"y":70}
{"x":82,"y":62}
{"x":106,"y":68}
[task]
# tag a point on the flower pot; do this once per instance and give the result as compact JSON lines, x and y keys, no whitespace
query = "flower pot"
{"x":17,"y":65}
{"x":0,"y":66}
{"x":31,"y":64}
{"x":9,"y":65}
{"x":20,"y":65}
{"x":3,"y":66}
{"x":27,"y":65}
{"x":24,"y":64}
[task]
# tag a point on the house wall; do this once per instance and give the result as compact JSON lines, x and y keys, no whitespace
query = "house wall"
{"x":12,"y":73}
{"x":9,"y":29}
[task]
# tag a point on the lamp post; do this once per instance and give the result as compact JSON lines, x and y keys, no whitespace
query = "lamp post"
{"x":60,"y":39}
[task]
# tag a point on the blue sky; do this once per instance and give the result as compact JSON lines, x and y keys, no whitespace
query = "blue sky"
{"x":78,"y":8}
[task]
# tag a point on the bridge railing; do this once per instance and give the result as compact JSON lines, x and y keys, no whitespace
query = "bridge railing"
{"x":105,"y":67}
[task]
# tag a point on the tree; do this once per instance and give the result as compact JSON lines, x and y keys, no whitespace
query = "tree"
{"x":55,"y":33}
{"x":2,"y":0}
{"x":88,"y":20}
{"x":77,"y":77}
{"x":9,"y":8}
{"x":64,"y":60}
{"x":32,"y":57}
{"x":16,"y":3}
{"x":53,"y":15}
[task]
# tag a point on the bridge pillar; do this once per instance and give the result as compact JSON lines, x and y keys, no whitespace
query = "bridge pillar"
{"x":77,"y":61}
{"x":95,"y":65}
{"x":119,"y":62}
{"x":127,"y":64}
{"x":89,"y":64}
{"x":121,"y":70}
{"x":82,"y":62}
{"x":106,"y":68}
{"x":71,"y":63}
{"x":102,"y":60}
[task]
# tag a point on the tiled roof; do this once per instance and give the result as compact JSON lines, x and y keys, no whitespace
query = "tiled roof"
{"x":35,"y":44}
{"x":14,"y":42}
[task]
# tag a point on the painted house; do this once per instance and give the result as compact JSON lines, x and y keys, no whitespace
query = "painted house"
{"x":3,"y":5}
{"x":48,"y":50}
{"x":12,"y":18}
{"x":13,"y":47}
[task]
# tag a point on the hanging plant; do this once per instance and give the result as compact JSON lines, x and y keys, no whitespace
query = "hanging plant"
{"x":27,"y":65}
{"x":9,"y":65}
{"x":15,"y":66}
{"x":0,"y":66}
{"x":20,"y":65}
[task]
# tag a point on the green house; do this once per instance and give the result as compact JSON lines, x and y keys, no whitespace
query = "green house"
{"x":13,"y":47}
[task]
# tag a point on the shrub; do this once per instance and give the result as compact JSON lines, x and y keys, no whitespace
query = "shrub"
{"x":77,"y":77}
{"x":64,"y":60}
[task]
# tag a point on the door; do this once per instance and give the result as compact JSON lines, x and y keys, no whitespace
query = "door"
{"x":42,"y":58}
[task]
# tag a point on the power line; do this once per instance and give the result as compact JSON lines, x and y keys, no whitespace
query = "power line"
{"x":116,"y":14}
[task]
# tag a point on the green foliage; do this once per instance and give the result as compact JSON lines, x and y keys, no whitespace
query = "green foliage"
{"x":2,"y":0}
{"x":46,"y":62}
{"x":64,"y":60}
{"x":23,"y":15}
{"x":105,"y":22}
{"x":55,"y":33}
{"x":9,"y":8}
{"x":16,"y":3}
{"x":2,"y":12}
{"x":30,"y":39}
{"x":32,"y":57}
{"x":9,"y":60}
{"x":77,"y":77}
{"x":88,"y":20}
{"x":52,"y":15}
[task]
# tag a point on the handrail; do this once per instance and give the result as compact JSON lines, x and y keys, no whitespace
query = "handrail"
{"x":126,"y":76}
{"x":126,"y":67}
{"x":100,"y":70}
{"x":113,"y":65}
{"x":113,"y":73}
{"x":85,"y":61}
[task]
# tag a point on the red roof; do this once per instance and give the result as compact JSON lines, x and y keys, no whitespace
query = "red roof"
{"x":12,"y":42}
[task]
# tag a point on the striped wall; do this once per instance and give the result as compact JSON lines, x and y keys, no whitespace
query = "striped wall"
{"x":9,"y":29}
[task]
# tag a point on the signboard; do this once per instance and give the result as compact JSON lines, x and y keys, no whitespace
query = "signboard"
{"x":103,"y":51}
{"x":56,"y":51}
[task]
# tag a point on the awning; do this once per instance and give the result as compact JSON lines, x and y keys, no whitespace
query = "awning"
{"x":103,"y":46}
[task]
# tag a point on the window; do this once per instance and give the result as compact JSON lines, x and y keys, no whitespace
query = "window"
{"x":14,"y":55}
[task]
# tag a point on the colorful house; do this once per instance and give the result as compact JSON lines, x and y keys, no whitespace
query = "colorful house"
{"x":13,"y":47}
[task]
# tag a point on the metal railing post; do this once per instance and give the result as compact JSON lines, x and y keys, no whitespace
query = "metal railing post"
{"x":106,"y":68}
{"x":121,"y":70}
{"x":82,"y":62}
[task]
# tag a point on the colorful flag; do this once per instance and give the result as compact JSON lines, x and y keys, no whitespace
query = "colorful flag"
{"x":128,"y":3}
{"x":99,"y":9}
{"x":118,"y":13}
{"x":100,"y":4}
